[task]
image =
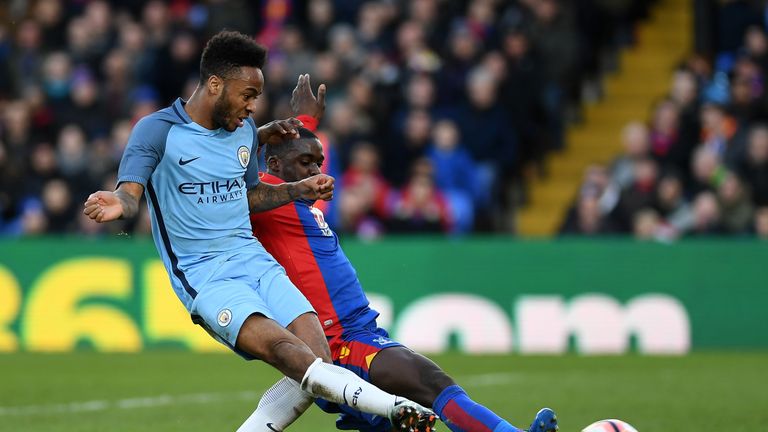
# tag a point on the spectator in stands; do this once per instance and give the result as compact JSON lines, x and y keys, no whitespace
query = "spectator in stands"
{"x":521,"y":92}
{"x":179,"y":62}
{"x":753,"y":167}
{"x":345,"y":129}
{"x":56,"y":80}
{"x":586,"y":219}
{"x":735,"y":205}
{"x":32,"y":220}
{"x":409,"y":146}
{"x":597,"y":198}
{"x":706,"y":216}
{"x":552,"y":38}
{"x":463,"y":51}
{"x":665,"y":130}
{"x":50,"y":15}
{"x":717,"y":130}
{"x":490,"y":137}
{"x":364,"y":194}
{"x":361,"y":98}
{"x":456,"y":174}
{"x":15,"y":142}
{"x":635,"y":141}
{"x":687,"y":130}
{"x":133,"y":41}
{"x":72,"y":155}
{"x":28,"y":56}
{"x":638,"y":195}
{"x":420,"y":206}
{"x":418,"y":94}
{"x":58,"y":206}
{"x":761,"y":223}
{"x":756,"y":46}
{"x":746,"y":93}
{"x":646,"y":224}
{"x":707,"y":170}
{"x":84,"y":108}
{"x":671,"y":204}
{"x":319,"y":16}
{"x":43,"y":167}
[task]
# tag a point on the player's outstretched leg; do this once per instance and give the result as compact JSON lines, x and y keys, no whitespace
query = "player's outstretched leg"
{"x":263,"y":338}
{"x":402,"y":371}
{"x":326,"y":381}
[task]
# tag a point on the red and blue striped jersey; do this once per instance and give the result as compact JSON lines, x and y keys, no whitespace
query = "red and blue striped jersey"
{"x":297,"y":235}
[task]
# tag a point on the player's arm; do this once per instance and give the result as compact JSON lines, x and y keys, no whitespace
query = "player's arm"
{"x":263,"y":197}
{"x":306,"y":107}
{"x":276,"y":131}
{"x":143,"y":152}
{"x":123,"y":203}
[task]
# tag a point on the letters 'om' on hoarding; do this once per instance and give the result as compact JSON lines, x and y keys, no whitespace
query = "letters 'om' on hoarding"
{"x":479,"y":296}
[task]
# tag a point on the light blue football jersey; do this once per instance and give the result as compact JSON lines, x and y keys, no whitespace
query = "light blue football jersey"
{"x":196,"y":183}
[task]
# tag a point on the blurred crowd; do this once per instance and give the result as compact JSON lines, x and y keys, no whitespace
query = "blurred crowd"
{"x":437,"y":109}
{"x":699,"y":165}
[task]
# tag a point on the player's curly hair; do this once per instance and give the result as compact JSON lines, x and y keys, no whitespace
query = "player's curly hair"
{"x":227,"y":51}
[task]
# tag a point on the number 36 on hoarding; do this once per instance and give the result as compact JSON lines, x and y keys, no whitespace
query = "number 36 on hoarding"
{"x":92,"y":300}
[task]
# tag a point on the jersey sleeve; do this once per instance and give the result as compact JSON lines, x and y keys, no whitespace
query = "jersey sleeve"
{"x":252,"y":170}
{"x":145,"y":149}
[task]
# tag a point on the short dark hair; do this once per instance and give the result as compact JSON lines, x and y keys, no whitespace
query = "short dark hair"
{"x":279,"y":150}
{"x":229,"y":50}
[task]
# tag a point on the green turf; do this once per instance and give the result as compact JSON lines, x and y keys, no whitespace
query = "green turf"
{"x":194,"y":392}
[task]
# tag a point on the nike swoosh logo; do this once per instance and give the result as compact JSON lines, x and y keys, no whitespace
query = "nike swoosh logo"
{"x":269,"y":426}
{"x":184,"y":162}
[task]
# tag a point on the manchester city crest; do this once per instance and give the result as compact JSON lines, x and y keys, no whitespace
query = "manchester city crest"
{"x":224,"y":317}
{"x":244,"y":155}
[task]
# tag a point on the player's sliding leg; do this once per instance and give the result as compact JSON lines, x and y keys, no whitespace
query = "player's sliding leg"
{"x":285,"y":401}
{"x":405,"y":372}
{"x":265,"y":339}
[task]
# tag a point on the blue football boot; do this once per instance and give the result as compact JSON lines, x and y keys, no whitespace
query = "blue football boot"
{"x":545,"y":421}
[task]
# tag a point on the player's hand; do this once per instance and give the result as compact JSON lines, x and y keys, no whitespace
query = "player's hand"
{"x":103,"y":206}
{"x":303,"y":101}
{"x":276,"y":131}
{"x":317,"y":187}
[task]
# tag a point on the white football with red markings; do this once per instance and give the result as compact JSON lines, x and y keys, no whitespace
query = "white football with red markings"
{"x":609,"y":425}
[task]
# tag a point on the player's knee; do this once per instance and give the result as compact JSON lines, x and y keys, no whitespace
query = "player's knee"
{"x":280,"y":350}
{"x":307,"y":328}
{"x":434,"y":381}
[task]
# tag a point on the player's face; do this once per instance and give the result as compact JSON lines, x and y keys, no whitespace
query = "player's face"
{"x":305,"y":160}
{"x":237,"y":99}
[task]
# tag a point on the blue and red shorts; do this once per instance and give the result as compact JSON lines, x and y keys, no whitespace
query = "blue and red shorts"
{"x":355,"y":349}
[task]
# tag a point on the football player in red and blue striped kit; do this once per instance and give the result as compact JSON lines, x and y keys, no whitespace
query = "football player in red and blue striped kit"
{"x":298,"y":237}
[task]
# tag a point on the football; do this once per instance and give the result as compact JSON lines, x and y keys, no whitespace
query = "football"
{"x":609,"y":425}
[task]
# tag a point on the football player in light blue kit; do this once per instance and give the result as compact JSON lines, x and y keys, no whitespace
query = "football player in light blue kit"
{"x":196,"y":163}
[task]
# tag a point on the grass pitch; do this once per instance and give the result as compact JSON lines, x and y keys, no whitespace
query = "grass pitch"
{"x":187,"y":392}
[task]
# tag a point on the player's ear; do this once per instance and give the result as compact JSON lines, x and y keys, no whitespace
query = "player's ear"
{"x":214,"y":84}
{"x":273,"y":163}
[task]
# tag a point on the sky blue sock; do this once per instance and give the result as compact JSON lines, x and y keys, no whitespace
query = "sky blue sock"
{"x":462,"y":414}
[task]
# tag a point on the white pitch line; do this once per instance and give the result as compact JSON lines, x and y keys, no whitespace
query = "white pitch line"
{"x":482,"y":380}
{"x":489,"y":379}
{"x":125,"y":404}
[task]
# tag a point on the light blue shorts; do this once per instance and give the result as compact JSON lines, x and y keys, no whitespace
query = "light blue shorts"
{"x":241,"y":287}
